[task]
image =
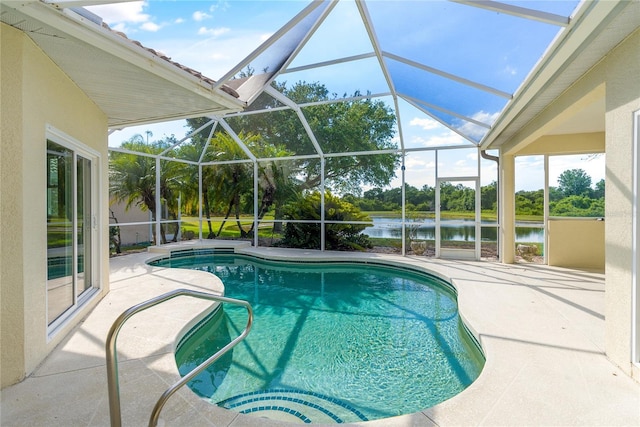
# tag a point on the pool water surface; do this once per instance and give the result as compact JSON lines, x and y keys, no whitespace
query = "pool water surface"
{"x":331,"y":342}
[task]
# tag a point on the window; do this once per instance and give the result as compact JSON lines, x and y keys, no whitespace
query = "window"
{"x":71,"y":227}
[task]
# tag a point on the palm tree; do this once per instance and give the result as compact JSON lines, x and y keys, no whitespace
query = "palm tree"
{"x":230,"y":184}
{"x":132,"y":179}
{"x":275,"y":181}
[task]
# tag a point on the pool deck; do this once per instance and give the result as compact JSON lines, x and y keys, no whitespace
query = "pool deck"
{"x":542,"y":330}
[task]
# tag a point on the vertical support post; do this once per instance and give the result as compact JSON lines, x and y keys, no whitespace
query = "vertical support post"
{"x":158,"y":204}
{"x":437,"y":208}
{"x":404,"y":207}
{"x":179,"y":216}
{"x":545,"y":230}
{"x":322,"y":210}
{"x":200,"y":202}
{"x":255,"y":203}
{"x":507,"y":209}
{"x":478,"y":219}
{"x":478,"y":222}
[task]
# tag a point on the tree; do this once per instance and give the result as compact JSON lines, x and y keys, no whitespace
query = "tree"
{"x":574,"y":182}
{"x":229,"y":185}
{"x":598,"y":193}
{"x":577,"y":206}
{"x":353,"y":126}
{"x":489,"y":197}
{"x":340,"y":127}
{"x":530,"y":202}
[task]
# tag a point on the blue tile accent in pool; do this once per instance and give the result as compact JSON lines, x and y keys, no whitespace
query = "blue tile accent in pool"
{"x":325,"y":411}
{"x":263,"y":395}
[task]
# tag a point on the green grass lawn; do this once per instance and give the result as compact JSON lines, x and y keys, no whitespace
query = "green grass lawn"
{"x":230,"y":228}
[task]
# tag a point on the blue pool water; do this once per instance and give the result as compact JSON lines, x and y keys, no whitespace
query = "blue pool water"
{"x":331,"y":342}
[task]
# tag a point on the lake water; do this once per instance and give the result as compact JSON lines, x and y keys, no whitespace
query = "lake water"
{"x":451,"y":229}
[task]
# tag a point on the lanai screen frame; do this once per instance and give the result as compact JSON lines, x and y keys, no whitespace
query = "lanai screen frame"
{"x":157,"y":223}
{"x":288,"y":42}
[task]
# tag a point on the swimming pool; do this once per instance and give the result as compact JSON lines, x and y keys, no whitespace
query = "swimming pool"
{"x":331,"y":342}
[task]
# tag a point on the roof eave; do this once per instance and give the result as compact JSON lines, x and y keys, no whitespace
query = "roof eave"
{"x":110,"y":42}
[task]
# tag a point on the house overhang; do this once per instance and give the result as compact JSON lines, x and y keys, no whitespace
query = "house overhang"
{"x":131,"y":84}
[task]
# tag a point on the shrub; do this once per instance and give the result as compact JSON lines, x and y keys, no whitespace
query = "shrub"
{"x":337,"y":236}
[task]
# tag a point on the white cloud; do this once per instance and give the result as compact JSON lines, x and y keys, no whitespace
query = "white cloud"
{"x":120,"y":28}
{"x":442,"y":139}
{"x":178,"y":21}
{"x":213,"y":32}
{"x":212,"y":56}
{"x":218,"y":57}
{"x":222,"y":5}
{"x":510,"y":70}
{"x":413,"y":162}
{"x":200,"y":16}
{"x":122,"y":16}
{"x":121,"y":12}
{"x":475,"y":131}
{"x":419,"y":170}
{"x":425,"y":123}
{"x":150,"y":26}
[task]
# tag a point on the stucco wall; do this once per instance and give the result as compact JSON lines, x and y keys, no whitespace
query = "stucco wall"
{"x":576,"y":243}
{"x":36,"y":93}
{"x":620,"y":72}
{"x":11,"y":239}
{"x":566,"y":144}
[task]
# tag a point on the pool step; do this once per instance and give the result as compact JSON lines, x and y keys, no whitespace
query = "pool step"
{"x":294,"y":406}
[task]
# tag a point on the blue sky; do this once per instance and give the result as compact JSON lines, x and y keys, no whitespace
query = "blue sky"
{"x":214,"y":36}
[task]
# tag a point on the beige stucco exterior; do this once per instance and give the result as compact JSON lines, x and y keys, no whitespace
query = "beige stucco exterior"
{"x":566,"y":144}
{"x":615,"y":78}
{"x":36,"y":94}
{"x":576,"y":243}
{"x":620,"y":72}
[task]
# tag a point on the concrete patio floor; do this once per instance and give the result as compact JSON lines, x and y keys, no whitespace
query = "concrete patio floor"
{"x":541,"y":328}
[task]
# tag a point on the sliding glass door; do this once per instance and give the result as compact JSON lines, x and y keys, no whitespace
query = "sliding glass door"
{"x":71,"y":229}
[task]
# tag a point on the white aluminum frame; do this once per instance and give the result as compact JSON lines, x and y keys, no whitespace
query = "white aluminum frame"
{"x":80,"y":300}
{"x":382,"y":57}
{"x":458,"y":253}
{"x":635,"y":285}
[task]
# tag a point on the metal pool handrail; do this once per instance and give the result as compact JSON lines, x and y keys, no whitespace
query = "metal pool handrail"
{"x":112,"y":358}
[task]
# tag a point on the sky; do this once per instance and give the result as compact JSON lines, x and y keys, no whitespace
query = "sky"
{"x":214,"y":36}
